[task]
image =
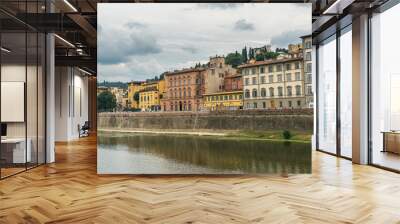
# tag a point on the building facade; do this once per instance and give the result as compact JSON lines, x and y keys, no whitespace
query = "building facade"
{"x":150,"y":95}
{"x":307,"y":67}
{"x":232,"y":100}
{"x":215,"y":73}
{"x":274,"y":84}
{"x":184,"y":90}
{"x":133,"y":89}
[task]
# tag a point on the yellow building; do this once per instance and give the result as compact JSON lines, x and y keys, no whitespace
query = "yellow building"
{"x":150,"y":95}
{"x":223,"y":101}
{"x":149,"y":100}
{"x":133,"y":88}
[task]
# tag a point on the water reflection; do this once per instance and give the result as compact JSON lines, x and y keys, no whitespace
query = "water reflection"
{"x":177,"y":154}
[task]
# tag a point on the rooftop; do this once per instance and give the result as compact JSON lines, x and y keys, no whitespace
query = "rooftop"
{"x":185,"y":70}
{"x":269,"y":62}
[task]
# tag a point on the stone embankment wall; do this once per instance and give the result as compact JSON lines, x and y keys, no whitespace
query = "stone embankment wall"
{"x":301,"y":120}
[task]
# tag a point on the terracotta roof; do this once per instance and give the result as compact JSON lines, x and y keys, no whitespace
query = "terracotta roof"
{"x":269,"y":62}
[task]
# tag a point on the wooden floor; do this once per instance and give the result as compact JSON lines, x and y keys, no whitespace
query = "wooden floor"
{"x":70,"y":191}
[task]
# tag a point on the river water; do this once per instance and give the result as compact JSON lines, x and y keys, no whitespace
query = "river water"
{"x":136,"y":153}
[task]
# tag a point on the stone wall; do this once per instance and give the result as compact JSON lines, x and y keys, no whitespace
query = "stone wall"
{"x":301,"y":120}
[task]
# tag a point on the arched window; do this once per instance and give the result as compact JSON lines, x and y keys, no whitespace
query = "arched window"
{"x":271,"y":92}
{"x":189,"y":92}
{"x":263,"y":92}
{"x":180,"y":93}
{"x":254,"y":93}
{"x":247,"y":93}
{"x":184,"y":92}
{"x":289,"y":91}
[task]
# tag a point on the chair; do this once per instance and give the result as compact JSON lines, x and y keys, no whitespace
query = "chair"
{"x":84,"y":130}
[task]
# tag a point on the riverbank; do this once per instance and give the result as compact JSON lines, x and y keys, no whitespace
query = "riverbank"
{"x":248,"y":120}
{"x":296,"y":136}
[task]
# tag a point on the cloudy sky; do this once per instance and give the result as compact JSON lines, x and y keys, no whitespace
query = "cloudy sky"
{"x":139,"y":41}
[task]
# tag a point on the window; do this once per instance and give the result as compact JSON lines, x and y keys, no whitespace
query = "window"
{"x":246,"y":71}
{"x":279,"y":68}
{"x":309,"y":90}
{"x":255,"y":105}
{"x":264,"y":105}
{"x":189,"y":92}
{"x":247,"y":93}
{"x":289,"y":91}
{"x":280,"y":91}
{"x":308,"y":56}
{"x":298,"y":90}
{"x":288,"y":77}
{"x":254,"y":80}
{"x":271,"y":91}
{"x":346,"y":93}
{"x":231,"y":97}
{"x":225,"y":97}
{"x":297,"y":76}
{"x":246,"y":81}
{"x":290,"y":103}
{"x":327,"y":95}
{"x":309,"y":67}
{"x":254,"y":93}
{"x":280,"y":104}
{"x":262,"y":79}
{"x":288,"y":67}
{"x":297,"y":65}
{"x":263,"y":92}
{"x":279,"y":77}
{"x":270,"y":68}
{"x":262,"y":70}
{"x":308,"y":44}
{"x":271,"y":78}
{"x":240,"y":96}
{"x":308,"y":78}
{"x":253,"y":71}
{"x":299,"y":103}
{"x":212,"y":71}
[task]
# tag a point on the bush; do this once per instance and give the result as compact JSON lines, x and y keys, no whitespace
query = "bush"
{"x":286,"y":134}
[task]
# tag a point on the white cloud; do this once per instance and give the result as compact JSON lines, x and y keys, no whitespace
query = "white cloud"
{"x":155,"y":37}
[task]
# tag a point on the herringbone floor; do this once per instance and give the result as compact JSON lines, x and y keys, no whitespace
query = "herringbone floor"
{"x":70,"y":191}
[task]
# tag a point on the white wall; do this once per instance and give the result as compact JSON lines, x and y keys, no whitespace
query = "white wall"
{"x":71,"y":102}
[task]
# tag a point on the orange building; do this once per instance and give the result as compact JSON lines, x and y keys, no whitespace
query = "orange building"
{"x":184,"y":90}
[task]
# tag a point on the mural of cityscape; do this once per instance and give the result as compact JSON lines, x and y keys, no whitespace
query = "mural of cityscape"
{"x":184,"y":91}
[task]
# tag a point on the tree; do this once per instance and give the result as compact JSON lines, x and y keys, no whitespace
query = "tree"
{"x":270,"y":55}
{"x":106,"y":102}
{"x":260,"y":57}
{"x":281,"y":50}
{"x":244,"y":55}
{"x":251,"y":53}
{"x":234,"y":59}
